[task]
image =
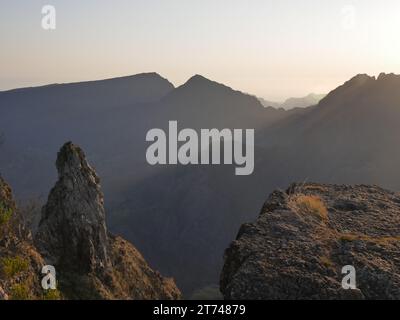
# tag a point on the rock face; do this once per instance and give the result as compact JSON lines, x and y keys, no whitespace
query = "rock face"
{"x":305,"y":236}
{"x":72,"y":236}
{"x":72,"y":229}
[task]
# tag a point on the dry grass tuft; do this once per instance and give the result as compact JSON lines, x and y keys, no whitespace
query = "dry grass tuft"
{"x":314,"y":205}
{"x":326,"y":261}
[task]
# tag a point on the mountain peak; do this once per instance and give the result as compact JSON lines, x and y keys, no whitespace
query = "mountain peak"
{"x":71,"y":159}
{"x":350,"y":87}
{"x":361,"y":78}
{"x":388,"y":76}
{"x":364,"y":78}
{"x":145,"y":75}
{"x":198,"y":79}
{"x":201,"y":84}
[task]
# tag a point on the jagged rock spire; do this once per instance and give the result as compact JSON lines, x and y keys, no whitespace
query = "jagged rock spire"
{"x":72,"y":236}
{"x":72,"y":232}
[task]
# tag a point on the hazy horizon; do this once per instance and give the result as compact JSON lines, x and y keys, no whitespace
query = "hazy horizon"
{"x":271,"y":49}
{"x":266,"y":98}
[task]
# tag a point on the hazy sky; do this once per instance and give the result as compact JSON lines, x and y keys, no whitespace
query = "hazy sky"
{"x":274,"y":49}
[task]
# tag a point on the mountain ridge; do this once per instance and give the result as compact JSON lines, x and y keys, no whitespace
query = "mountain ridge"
{"x":149,"y":75}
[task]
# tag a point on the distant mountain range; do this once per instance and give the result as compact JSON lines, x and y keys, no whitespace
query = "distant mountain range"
{"x":183,"y":217}
{"x":292,"y":103}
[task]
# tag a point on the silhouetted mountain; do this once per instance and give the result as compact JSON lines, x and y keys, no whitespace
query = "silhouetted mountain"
{"x":202,"y":103}
{"x":292,"y":103}
{"x":268,"y":103}
{"x":307,"y":101}
{"x":101,"y":115}
{"x":350,"y":137}
{"x":144,"y":87}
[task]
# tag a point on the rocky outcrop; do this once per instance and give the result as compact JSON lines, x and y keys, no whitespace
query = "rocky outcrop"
{"x":72,"y":232}
{"x":305,"y":236}
{"x":20,"y":263}
{"x":90,"y":262}
{"x":72,"y":235}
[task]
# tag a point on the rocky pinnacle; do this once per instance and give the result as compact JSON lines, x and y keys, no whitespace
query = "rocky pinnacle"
{"x":72,"y":232}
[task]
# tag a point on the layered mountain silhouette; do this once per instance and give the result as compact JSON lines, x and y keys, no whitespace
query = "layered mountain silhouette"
{"x":350,"y":137}
{"x":292,"y":103}
{"x":105,"y":116}
{"x":182,"y":218}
